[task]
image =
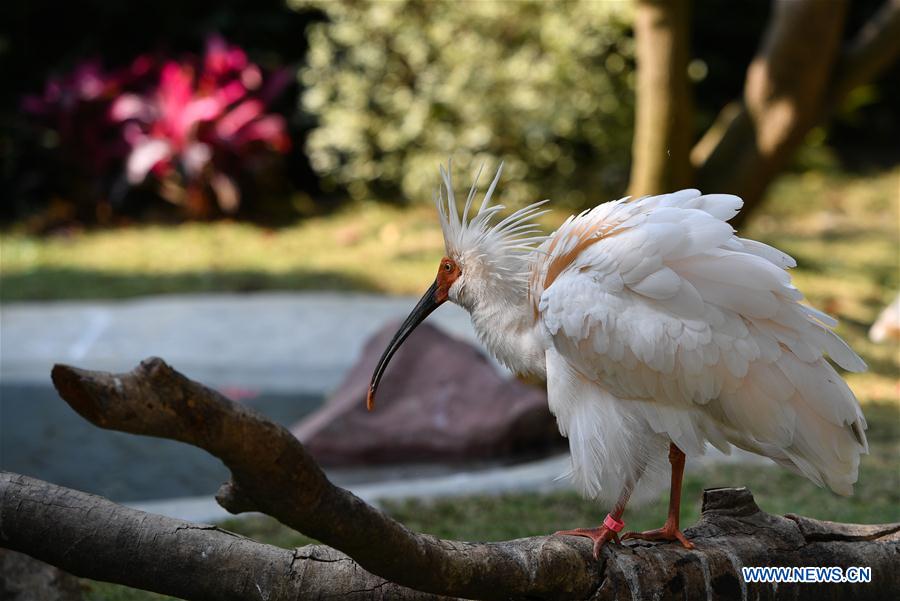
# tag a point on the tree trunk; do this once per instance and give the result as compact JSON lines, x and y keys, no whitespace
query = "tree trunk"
{"x":799,"y":76}
{"x":378,"y":557}
{"x":663,"y":127}
{"x":783,"y":94}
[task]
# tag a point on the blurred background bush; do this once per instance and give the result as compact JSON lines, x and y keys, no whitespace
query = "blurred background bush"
{"x":397,"y":86}
{"x":114,"y":112}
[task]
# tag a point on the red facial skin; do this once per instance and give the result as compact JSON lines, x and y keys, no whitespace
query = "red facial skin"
{"x":448,"y":272}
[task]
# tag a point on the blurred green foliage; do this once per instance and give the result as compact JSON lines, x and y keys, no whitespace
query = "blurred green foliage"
{"x":397,"y":87}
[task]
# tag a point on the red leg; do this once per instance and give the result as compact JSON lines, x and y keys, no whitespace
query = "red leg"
{"x":670,"y":530}
{"x":601,"y":534}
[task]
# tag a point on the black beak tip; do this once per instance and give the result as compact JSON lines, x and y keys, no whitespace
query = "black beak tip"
{"x":423,"y":309}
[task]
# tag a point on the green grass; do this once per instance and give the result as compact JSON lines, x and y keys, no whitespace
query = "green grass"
{"x":369,"y":247}
{"x":842,"y":228}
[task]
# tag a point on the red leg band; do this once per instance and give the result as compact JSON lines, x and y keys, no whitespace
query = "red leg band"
{"x":612,"y":523}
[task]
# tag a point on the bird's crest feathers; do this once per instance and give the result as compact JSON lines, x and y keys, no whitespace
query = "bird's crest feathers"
{"x":499,"y":247}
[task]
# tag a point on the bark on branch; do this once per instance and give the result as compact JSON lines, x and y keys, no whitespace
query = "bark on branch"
{"x":93,"y":537}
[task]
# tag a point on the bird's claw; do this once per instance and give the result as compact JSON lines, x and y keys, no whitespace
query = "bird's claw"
{"x":666,"y":533}
{"x":600,"y":535}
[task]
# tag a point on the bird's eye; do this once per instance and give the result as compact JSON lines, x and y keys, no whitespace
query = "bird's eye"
{"x":447,"y":267}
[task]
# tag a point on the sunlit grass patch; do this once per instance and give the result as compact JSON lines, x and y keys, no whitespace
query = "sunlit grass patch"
{"x":371,"y":247}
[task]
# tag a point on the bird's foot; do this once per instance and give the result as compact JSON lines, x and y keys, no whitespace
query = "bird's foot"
{"x":669,"y":532}
{"x":600,"y":535}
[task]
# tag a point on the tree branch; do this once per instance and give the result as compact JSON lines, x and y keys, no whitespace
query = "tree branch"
{"x":272,"y":473}
{"x":797,"y":79}
{"x":785,"y":83}
{"x":95,"y":538}
{"x":875,"y":48}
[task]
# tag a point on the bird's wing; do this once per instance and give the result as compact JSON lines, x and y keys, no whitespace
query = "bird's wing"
{"x":656,"y":299}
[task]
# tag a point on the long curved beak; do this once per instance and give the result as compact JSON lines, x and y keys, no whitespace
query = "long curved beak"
{"x":428,"y":303}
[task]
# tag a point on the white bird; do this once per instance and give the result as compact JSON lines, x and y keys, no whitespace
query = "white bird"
{"x":887,"y":327}
{"x":659,"y":332}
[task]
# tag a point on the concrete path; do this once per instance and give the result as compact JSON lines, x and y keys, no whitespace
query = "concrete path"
{"x":541,"y":476}
{"x":279,"y":342}
{"x":537,"y":476}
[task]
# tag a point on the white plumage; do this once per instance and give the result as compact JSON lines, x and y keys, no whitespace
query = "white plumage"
{"x":692,"y":335}
{"x":653,"y":323}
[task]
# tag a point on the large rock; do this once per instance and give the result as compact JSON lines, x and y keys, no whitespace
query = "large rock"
{"x":439,"y":400}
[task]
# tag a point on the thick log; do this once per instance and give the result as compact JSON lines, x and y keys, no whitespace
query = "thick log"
{"x":733,"y":532}
{"x":93,"y":537}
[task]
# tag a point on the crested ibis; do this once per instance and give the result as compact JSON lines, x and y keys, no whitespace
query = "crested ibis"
{"x":659,"y":332}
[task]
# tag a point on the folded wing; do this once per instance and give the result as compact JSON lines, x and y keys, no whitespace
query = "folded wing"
{"x":657,"y":301}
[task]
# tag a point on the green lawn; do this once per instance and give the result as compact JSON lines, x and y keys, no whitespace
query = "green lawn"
{"x":367,"y":247}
